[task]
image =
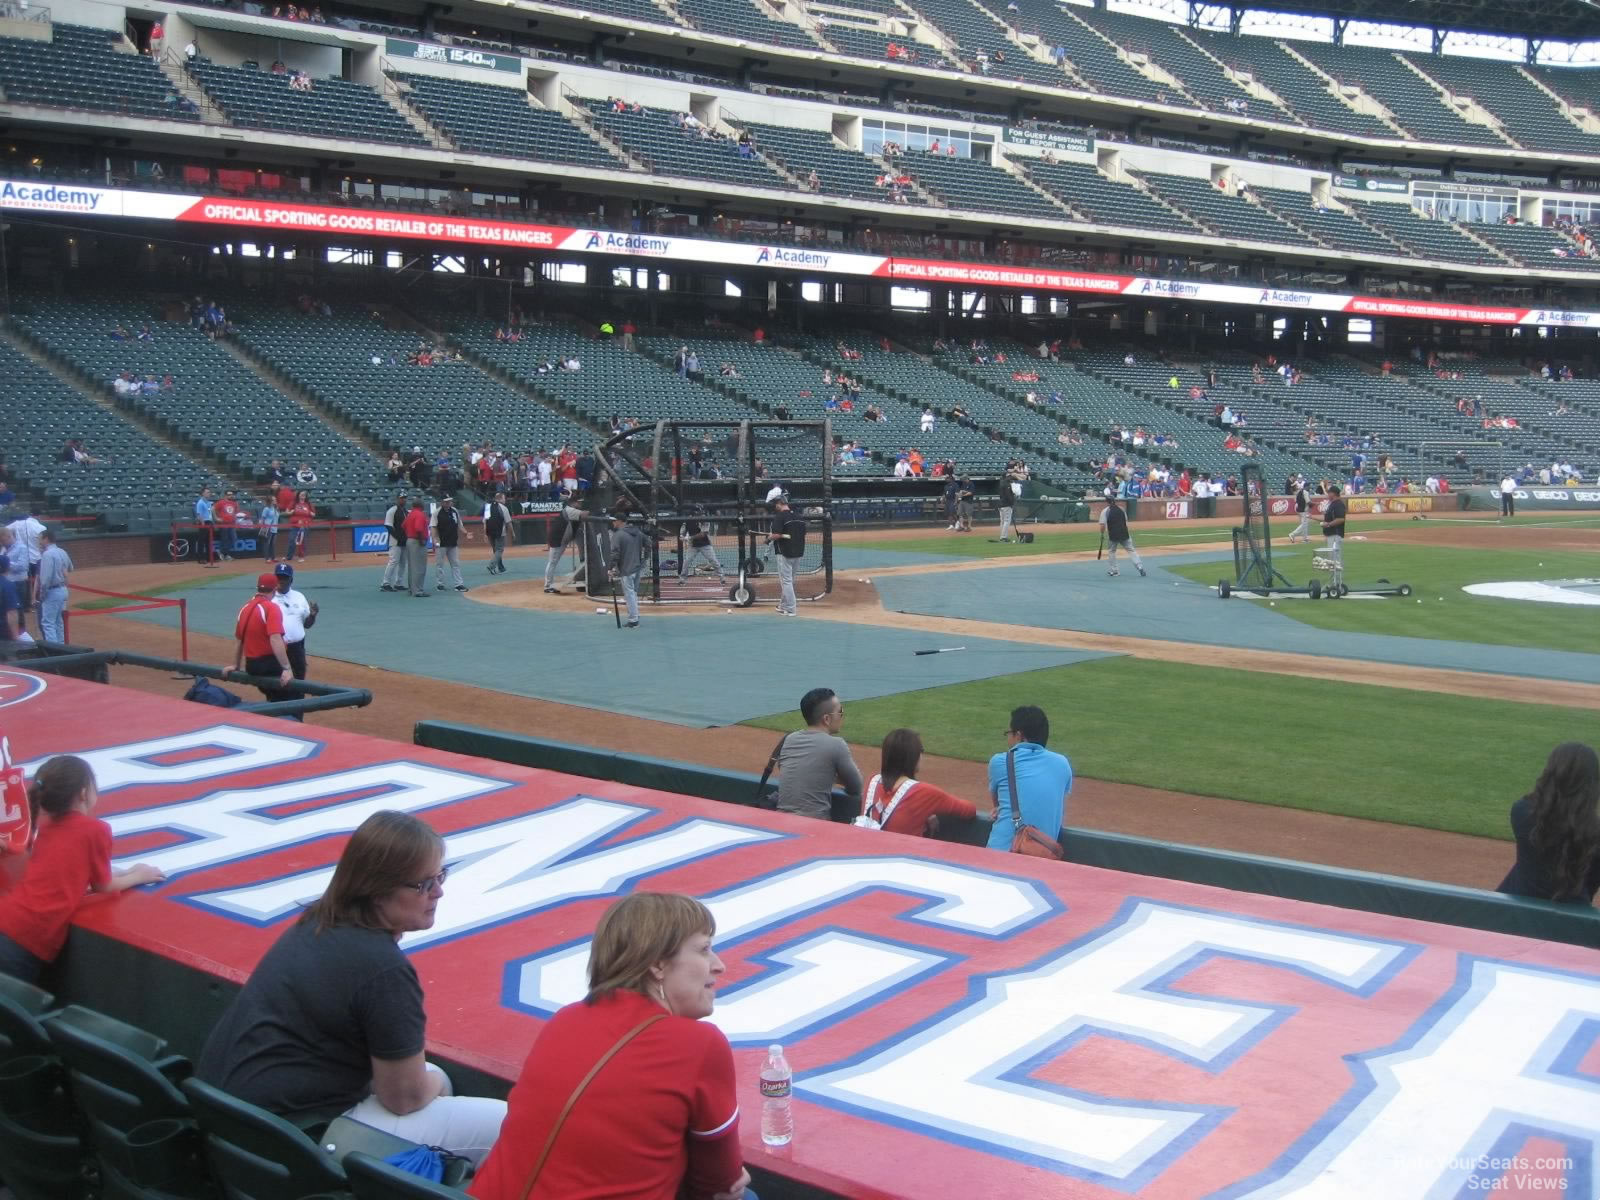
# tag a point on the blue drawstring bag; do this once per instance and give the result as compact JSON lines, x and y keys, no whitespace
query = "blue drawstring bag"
{"x":205,"y":692}
{"x":423,"y":1161}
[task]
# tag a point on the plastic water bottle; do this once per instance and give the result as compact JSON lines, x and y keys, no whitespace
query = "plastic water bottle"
{"x":777,"y":1119}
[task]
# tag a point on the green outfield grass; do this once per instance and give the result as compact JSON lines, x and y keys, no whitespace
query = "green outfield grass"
{"x":1149,"y":535}
{"x":1453,"y":763}
{"x":1436,"y":572}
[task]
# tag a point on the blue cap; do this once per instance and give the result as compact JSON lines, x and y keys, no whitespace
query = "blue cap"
{"x":283,"y":571}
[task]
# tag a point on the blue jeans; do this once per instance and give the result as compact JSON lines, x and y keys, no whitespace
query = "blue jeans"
{"x":630,"y":595}
{"x":19,"y":963}
{"x":51,"y":607}
{"x":271,"y":545}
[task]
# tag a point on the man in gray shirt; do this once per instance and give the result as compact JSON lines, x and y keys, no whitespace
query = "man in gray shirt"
{"x":53,"y":568}
{"x":814,"y":758}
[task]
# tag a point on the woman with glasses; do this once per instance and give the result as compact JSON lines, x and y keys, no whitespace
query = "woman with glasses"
{"x":331,"y":1020}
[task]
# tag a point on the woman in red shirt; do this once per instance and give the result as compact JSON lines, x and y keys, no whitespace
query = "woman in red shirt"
{"x":897,"y":801}
{"x":300,"y":518}
{"x":659,"y":1119}
{"x":71,"y":858}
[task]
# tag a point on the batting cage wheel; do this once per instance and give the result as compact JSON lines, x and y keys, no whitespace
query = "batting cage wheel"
{"x":1314,"y":588}
{"x":741,"y":595}
{"x":1224,"y":588}
{"x":754,"y":565}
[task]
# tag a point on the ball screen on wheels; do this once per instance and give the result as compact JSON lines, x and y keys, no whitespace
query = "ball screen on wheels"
{"x":1252,"y":541}
{"x":703,"y":487}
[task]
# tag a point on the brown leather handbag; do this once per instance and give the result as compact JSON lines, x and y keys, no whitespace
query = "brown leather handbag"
{"x":1027,"y":840}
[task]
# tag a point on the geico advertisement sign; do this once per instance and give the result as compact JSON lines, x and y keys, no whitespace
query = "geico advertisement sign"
{"x":1558,"y":494}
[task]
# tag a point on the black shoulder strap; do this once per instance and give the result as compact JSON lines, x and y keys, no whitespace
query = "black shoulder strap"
{"x":1011,"y":782}
{"x":772,"y":764}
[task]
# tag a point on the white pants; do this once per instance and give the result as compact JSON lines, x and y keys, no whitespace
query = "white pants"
{"x":1302,"y":530}
{"x":1005,"y":522}
{"x":451,"y":555}
{"x":786,"y":600}
{"x":1335,"y":552}
{"x":464,"y":1125}
{"x":394,"y":571}
{"x":1132,"y":553}
{"x":630,"y":595}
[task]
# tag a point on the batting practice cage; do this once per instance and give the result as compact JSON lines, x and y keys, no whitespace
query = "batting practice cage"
{"x":703,"y":488}
{"x":1252,"y":545}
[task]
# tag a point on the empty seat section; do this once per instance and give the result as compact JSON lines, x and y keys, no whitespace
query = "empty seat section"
{"x":214,"y":401}
{"x":399,"y":404}
{"x":1102,"y":200}
{"x":1306,"y":93}
{"x":486,"y":119}
{"x":1166,"y":46}
{"x":1423,"y":237}
{"x":1330,"y":226}
{"x":974,"y":30}
{"x":1230,"y":216}
{"x":1094,"y":58}
{"x":1525,"y":111}
{"x":974,"y":184}
{"x":800,"y":151}
{"x":742,"y":19}
{"x":333,"y":108}
{"x":1419,"y":109}
{"x":80,"y":68}
{"x":657,"y":139}
{"x":1534,"y":246}
{"x":134,"y":472}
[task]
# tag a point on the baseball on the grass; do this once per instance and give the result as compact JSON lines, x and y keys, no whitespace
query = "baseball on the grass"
{"x":599,"y":610}
{"x":1419,"y":599}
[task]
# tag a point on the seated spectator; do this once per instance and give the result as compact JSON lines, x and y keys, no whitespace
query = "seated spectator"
{"x":810,"y":760}
{"x":897,"y":802}
{"x":331,"y":1020}
{"x":305,"y":476}
{"x":672,"y":1087}
{"x":119,"y":334}
{"x":1044,"y":780}
{"x":1557,"y":830}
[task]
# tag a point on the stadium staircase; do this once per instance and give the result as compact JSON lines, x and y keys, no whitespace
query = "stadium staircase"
{"x":397,"y":405}
{"x":1100,"y":388}
{"x":148,"y":475}
{"x":222,"y":409}
{"x":171,"y":64}
{"x":903,"y":383}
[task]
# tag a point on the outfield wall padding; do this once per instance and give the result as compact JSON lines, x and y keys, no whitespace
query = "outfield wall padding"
{"x":1361,"y":890}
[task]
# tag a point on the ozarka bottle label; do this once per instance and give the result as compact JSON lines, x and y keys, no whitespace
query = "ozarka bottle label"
{"x":775,"y":1089}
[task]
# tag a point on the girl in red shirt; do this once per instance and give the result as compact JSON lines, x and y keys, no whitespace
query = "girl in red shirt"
{"x":71,"y":858}
{"x":300,"y":518}
{"x":660,"y":1119}
{"x":897,"y":801}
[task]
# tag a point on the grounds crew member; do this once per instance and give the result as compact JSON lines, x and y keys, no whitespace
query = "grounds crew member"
{"x":394,"y":570}
{"x":1115,"y":522}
